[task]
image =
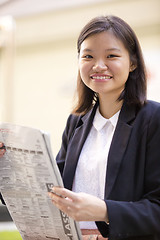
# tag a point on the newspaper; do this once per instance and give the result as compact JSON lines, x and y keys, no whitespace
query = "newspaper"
{"x":27,"y":172}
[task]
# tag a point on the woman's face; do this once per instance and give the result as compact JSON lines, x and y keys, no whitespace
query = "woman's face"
{"x":104,"y":64}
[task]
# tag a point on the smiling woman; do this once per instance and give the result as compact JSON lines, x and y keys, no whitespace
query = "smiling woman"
{"x":104,"y":65}
{"x":119,"y":46}
{"x":109,"y":156}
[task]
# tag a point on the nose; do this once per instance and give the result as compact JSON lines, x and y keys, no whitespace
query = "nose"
{"x":99,"y":66}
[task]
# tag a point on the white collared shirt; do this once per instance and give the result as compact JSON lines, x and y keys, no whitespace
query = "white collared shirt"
{"x":90,"y":175}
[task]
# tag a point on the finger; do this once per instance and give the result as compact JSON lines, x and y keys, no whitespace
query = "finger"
{"x":2,"y":145}
{"x":65,"y":193}
{"x":59,"y":200}
{"x":2,"y":151}
{"x":62,"y":204}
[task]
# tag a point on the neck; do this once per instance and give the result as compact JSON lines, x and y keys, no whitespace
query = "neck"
{"x":108,"y":107}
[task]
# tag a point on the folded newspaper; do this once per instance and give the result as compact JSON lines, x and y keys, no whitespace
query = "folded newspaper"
{"x":27,"y":172}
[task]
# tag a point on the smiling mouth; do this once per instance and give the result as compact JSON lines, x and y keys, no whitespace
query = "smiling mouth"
{"x":101,"y":78}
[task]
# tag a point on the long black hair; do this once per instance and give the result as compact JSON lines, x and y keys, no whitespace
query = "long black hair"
{"x":135,"y":87}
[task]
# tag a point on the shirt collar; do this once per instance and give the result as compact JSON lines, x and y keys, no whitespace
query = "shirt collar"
{"x":99,"y":121}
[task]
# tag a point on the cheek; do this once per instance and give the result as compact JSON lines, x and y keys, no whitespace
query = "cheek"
{"x":122,"y":69}
{"x":84,"y":71}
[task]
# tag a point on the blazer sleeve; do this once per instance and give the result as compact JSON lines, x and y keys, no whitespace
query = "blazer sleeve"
{"x":140,"y":218}
{"x":71,"y":125}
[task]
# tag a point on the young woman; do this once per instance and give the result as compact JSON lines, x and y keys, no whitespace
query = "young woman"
{"x":110,"y":153}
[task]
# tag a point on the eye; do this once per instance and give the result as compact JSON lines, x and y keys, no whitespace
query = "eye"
{"x":111,"y":56}
{"x":87,"y":56}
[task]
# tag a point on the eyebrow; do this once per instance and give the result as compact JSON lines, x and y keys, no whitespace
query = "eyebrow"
{"x":87,"y":50}
{"x":113,"y":49}
{"x":106,"y":50}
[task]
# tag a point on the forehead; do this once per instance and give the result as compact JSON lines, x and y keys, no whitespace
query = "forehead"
{"x":106,"y":39}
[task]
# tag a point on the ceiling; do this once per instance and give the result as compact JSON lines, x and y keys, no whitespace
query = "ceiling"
{"x":18,"y":8}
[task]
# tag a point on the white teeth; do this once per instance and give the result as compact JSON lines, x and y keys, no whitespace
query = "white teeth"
{"x":101,"y":77}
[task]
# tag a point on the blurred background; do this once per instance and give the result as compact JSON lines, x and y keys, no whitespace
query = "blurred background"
{"x":38,"y":55}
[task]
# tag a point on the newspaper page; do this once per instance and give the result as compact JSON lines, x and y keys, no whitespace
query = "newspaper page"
{"x":27,"y":172}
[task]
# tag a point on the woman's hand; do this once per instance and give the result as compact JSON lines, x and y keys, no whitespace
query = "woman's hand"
{"x":79,"y":206}
{"x":2,"y":149}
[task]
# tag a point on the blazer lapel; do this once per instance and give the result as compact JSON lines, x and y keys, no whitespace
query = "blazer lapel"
{"x":75,"y":146}
{"x":118,"y":146}
{"x":117,"y":149}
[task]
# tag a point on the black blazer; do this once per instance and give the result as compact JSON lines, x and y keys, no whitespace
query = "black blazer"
{"x":132,"y":190}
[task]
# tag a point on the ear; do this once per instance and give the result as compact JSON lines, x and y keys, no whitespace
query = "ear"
{"x":132,"y":67}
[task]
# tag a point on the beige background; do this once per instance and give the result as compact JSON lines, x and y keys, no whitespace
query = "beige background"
{"x":38,"y":91}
